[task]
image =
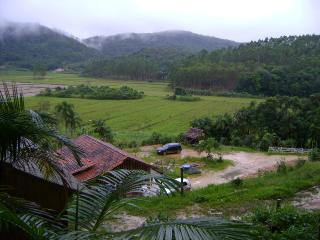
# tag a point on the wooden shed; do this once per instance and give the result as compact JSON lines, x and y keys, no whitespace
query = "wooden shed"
{"x":194,"y":135}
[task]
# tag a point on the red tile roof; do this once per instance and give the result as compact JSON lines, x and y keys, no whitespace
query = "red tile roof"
{"x":99,"y":157}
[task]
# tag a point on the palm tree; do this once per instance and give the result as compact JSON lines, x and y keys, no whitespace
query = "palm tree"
{"x":28,"y":138}
{"x":104,"y":131}
{"x":98,"y":201}
{"x":65,"y":112}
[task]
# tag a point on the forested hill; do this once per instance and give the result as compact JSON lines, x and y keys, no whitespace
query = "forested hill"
{"x":275,"y":66}
{"x":183,"y":41}
{"x":25,"y":45}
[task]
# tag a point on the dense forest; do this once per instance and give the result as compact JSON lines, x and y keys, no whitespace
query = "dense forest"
{"x":147,"y":64}
{"x":275,"y":66}
{"x":287,"y":66}
{"x":278,"y":121}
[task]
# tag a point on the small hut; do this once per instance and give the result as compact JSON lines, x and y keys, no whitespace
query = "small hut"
{"x":194,"y":135}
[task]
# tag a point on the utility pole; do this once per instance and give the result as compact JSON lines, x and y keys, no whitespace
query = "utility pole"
{"x":181,"y":181}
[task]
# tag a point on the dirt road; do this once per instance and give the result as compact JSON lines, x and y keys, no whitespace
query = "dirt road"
{"x":245,"y":165}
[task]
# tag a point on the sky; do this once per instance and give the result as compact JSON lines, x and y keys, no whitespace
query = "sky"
{"x":239,"y":20}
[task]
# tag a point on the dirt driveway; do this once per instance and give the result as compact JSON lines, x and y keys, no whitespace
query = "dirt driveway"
{"x":245,"y":164}
{"x":30,"y":89}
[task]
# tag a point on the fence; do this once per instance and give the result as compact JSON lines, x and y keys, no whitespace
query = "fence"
{"x":288,"y":150}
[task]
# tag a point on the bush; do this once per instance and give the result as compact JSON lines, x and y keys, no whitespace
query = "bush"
{"x":300,"y":163}
{"x":157,"y":138}
{"x":314,"y":155}
{"x":236,"y":141}
{"x":285,"y":223}
{"x":281,"y":167}
{"x":237,"y":182}
{"x":94,"y":92}
{"x":200,"y":199}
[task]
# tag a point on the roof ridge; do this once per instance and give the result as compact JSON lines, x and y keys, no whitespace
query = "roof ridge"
{"x":108,"y":145}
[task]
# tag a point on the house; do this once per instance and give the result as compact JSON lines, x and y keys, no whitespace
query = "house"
{"x":58,"y":70}
{"x":99,"y":157}
{"x":194,"y":135}
{"x":27,"y":181}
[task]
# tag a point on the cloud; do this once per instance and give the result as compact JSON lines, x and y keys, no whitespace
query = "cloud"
{"x":240,"y":20}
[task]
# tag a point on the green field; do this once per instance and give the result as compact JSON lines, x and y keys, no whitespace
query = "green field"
{"x":133,"y":119}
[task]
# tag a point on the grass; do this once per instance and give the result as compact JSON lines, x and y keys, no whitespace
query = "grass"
{"x":132,"y":119}
{"x":226,"y":197}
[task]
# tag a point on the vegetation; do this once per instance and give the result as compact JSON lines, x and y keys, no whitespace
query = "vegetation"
{"x":86,"y":214}
{"x":285,"y":223}
{"x":132,"y":120}
{"x":104,"y":131}
{"x":278,"y":121}
{"x":66,"y":114}
{"x":211,"y":147}
{"x":92,"y":92}
{"x":27,"y":45}
{"x":171,"y":41}
{"x":275,"y":66}
{"x":39,"y":71}
{"x":29,"y":138}
{"x":232,"y":199}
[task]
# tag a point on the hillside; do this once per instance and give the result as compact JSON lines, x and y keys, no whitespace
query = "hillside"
{"x":275,"y":66}
{"x":24,"y":45}
{"x":183,"y":41}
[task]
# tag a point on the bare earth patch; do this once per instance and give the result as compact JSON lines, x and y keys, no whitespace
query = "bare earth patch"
{"x":30,"y":89}
{"x":245,"y":164}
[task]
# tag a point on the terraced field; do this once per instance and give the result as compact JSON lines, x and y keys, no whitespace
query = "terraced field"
{"x":133,"y":119}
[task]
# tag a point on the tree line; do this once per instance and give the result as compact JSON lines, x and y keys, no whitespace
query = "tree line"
{"x":278,"y":121}
{"x":275,"y":66}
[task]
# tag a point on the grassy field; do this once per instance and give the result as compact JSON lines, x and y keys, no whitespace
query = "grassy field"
{"x":133,"y":119}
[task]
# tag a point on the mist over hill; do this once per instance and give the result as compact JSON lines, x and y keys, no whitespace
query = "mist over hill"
{"x":27,"y":44}
{"x":182,"y":41}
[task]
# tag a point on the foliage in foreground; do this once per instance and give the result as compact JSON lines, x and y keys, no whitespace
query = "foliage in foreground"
{"x":93,"y":92}
{"x":99,"y":200}
{"x":285,"y":223}
{"x":28,"y":138}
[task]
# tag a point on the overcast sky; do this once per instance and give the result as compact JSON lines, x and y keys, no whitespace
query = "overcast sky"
{"x":240,"y":20}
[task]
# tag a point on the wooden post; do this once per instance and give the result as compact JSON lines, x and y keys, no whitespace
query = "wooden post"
{"x":181,"y":181}
{"x":278,"y":203}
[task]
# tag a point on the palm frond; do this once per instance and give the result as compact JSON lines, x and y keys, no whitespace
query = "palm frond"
{"x":27,"y":137}
{"x":35,"y":222}
{"x":99,"y":199}
{"x":191,"y":229}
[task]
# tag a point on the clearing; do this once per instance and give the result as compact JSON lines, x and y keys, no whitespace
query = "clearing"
{"x":243,"y":164}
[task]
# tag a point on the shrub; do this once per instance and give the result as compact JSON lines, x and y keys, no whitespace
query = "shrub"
{"x":236,"y":141}
{"x":200,"y":199}
{"x":300,"y":163}
{"x":314,"y":155}
{"x":285,"y":223}
{"x":281,"y":167}
{"x":157,"y":138}
{"x":237,"y":182}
